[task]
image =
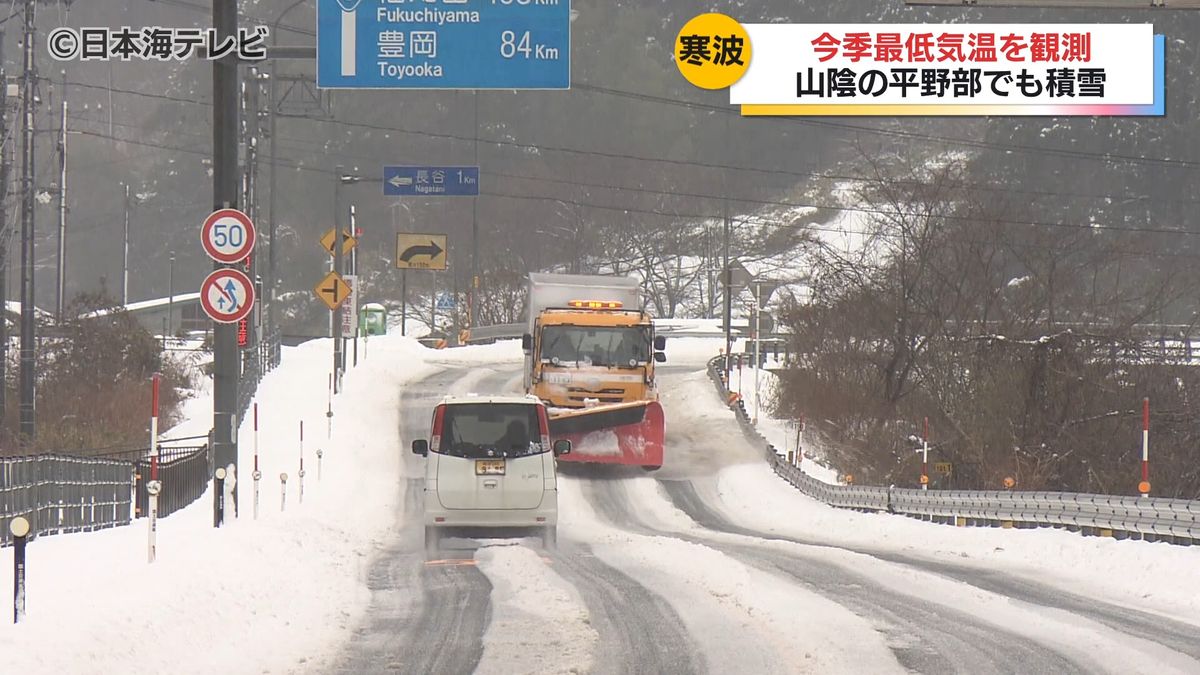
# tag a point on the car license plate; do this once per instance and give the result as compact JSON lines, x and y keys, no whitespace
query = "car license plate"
{"x":489,"y":467}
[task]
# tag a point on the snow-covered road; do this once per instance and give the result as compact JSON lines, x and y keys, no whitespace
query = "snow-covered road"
{"x":707,"y":566}
{"x":710,"y":565}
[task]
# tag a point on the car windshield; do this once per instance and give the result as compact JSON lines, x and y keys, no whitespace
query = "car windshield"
{"x":619,"y":346}
{"x":491,"y":430}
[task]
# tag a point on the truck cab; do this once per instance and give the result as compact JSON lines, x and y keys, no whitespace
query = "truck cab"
{"x":592,"y":351}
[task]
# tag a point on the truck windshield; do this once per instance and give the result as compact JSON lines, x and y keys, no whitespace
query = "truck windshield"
{"x":491,"y":430}
{"x":619,"y":346}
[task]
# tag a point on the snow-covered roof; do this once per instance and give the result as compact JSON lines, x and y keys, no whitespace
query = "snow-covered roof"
{"x":154,"y":303}
{"x":14,"y":307}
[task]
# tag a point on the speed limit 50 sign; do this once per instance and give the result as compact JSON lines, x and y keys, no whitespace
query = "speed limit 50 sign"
{"x":227,"y":235}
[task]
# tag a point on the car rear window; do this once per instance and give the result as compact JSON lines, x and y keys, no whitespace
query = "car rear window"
{"x":491,"y":430}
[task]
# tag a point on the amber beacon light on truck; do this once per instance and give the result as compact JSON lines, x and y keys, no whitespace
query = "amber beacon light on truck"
{"x":595,"y":304}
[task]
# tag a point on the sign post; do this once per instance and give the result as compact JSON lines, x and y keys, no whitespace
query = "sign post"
{"x":227,"y":295}
{"x":257,"y":475}
{"x":457,"y":44}
{"x":19,"y":528}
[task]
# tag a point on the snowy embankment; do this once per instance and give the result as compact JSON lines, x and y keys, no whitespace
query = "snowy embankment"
{"x":1149,"y":576}
{"x":781,"y":432}
{"x":719,"y":597}
{"x":265,"y":595}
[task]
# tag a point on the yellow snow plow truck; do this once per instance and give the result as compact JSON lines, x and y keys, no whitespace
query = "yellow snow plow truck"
{"x":589,"y":355}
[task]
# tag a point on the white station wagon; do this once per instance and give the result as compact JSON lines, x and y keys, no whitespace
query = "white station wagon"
{"x":490,"y":469}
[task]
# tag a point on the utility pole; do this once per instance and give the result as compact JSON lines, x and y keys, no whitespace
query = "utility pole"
{"x":250,"y":130}
{"x":28,"y":348}
{"x":472,"y":296}
{"x":336,"y":327}
{"x":727,"y":280}
{"x":272,"y":244}
{"x":62,"y":203}
{"x":226,"y":369}
{"x":5,"y":232}
{"x":125,"y":255}
{"x":757,"y":326}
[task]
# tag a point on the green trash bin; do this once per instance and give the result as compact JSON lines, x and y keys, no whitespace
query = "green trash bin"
{"x":372,"y":319}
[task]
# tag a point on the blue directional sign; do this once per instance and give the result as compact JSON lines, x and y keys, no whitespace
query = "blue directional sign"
{"x":444,"y":44}
{"x":430,"y":181}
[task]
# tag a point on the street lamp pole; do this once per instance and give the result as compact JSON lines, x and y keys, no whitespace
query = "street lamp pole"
{"x":335,"y":325}
{"x":171,"y":297}
{"x":125,"y":255}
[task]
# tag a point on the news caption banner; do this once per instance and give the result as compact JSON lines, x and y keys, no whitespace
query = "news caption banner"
{"x":443,"y":44}
{"x":927,"y":69}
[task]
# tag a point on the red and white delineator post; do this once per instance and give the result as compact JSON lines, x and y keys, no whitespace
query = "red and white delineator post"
{"x":154,"y":486}
{"x":925,"y":457}
{"x":257,"y":475}
{"x":1144,"y":486}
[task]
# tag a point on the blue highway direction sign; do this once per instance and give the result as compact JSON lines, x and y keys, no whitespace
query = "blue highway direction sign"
{"x":430,"y":181}
{"x":444,"y":44}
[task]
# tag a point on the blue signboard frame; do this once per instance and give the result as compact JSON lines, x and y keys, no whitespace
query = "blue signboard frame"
{"x":431,"y":181}
{"x":448,"y":44}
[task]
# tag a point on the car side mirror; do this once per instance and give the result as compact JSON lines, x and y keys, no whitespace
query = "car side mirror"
{"x":420,"y":447}
{"x":527,"y":342}
{"x":660,"y":342}
{"x":660,"y":357}
{"x":562,"y":447}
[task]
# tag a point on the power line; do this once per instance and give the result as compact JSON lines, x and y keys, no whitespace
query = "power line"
{"x":911,"y":135}
{"x":207,"y":9}
{"x":639,"y":158}
{"x":293,"y":164}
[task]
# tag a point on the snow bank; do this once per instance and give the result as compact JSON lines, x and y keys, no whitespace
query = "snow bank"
{"x":265,"y":595}
{"x":782,"y":432}
{"x":539,"y":622}
{"x":1148,"y":576}
{"x":700,"y":434}
{"x":742,"y":619}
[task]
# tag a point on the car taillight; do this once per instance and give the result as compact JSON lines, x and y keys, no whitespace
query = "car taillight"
{"x":435,"y":440}
{"x":544,"y":426}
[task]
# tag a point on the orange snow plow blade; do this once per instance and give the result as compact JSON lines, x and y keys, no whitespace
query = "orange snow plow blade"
{"x":620,"y":433}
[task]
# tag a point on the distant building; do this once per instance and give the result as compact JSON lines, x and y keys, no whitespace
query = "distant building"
{"x":185,"y":310}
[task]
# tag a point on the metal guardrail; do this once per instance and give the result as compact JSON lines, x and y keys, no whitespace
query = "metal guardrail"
{"x":487,"y":334}
{"x":1172,"y":520}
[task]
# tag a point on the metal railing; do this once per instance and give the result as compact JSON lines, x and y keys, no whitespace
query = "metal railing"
{"x":184,"y":474}
{"x":1171,"y":520}
{"x":95,"y":490}
{"x":60,"y":494}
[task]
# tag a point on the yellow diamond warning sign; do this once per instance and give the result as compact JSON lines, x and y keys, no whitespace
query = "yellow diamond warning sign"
{"x":329,"y":241}
{"x":333,"y":290}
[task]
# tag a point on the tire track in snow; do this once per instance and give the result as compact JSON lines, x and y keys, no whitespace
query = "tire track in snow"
{"x":1172,"y":636}
{"x":925,"y":636}
{"x":424,"y":616}
{"x":638,"y":630}
{"x":741,"y":635}
{"x":1175,"y":635}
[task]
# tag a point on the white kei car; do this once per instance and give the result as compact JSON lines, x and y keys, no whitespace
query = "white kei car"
{"x":490,"y":469}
